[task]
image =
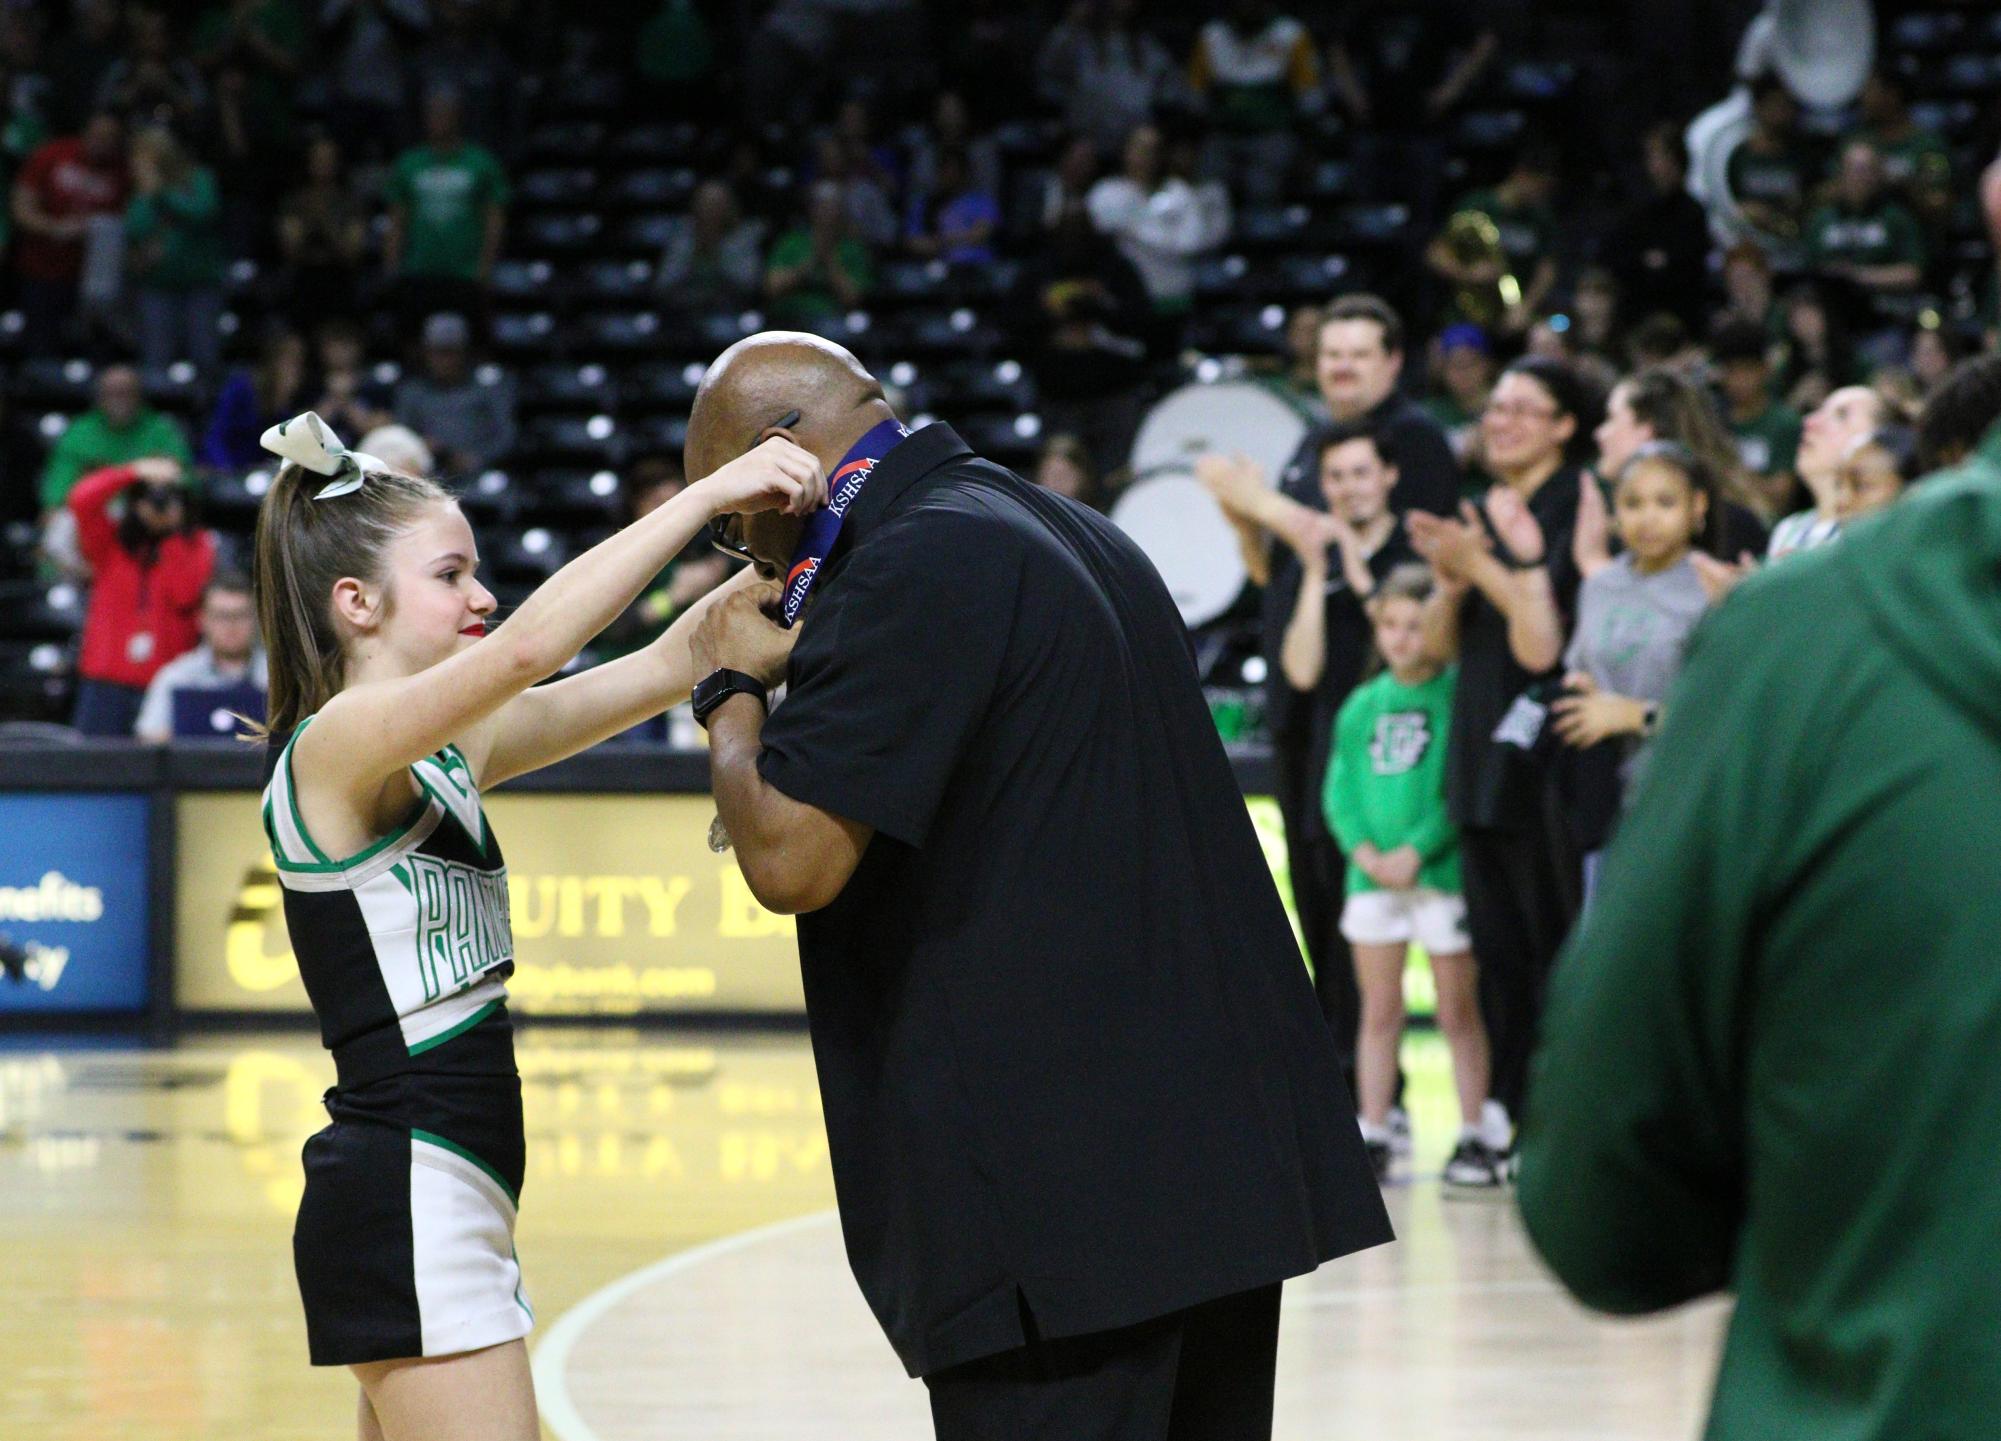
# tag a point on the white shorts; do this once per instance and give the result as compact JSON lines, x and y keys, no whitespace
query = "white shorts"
{"x":1434,"y":919}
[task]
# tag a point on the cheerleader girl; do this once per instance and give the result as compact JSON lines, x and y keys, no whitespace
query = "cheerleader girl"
{"x":392,"y":709}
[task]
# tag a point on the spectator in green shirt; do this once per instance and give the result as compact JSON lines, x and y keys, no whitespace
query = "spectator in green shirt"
{"x":447,"y":216}
{"x":1770,"y":172}
{"x":22,"y":130}
{"x":121,"y":429}
{"x":817,"y":269}
{"x":1865,"y":238}
{"x":1767,"y":430}
{"x":650,"y":482}
{"x":1916,"y":162}
{"x":264,"y":38}
{"x":676,"y":55}
{"x":174,"y":236}
{"x":1256,"y":73}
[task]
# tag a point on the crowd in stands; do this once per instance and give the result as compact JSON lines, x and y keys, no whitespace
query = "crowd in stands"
{"x":496,"y":241}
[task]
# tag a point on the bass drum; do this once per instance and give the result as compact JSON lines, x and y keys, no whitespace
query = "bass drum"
{"x":1168,"y":513}
{"x":1182,"y":530}
{"x":1234,"y":417}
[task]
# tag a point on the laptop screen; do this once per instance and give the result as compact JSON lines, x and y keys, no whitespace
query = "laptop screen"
{"x":205,"y":712}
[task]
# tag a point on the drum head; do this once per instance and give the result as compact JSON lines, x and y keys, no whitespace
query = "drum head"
{"x":1182,"y":530}
{"x":1824,"y":48}
{"x":1232,"y":417}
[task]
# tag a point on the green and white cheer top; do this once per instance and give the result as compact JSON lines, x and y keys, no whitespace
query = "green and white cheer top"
{"x":405,"y":946}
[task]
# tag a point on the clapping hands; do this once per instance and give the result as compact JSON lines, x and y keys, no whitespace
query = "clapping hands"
{"x":1720,"y":577}
{"x":1591,"y":541}
{"x":1450,"y":544}
{"x":1513,"y":522}
{"x":1235,"y":480}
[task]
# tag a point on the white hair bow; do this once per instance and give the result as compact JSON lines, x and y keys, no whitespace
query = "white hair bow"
{"x":308,"y":441}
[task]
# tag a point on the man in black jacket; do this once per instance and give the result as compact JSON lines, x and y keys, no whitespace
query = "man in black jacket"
{"x":1084,"y":1118}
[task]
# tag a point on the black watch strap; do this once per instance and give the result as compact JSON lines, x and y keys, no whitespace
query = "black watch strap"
{"x":718,"y":686}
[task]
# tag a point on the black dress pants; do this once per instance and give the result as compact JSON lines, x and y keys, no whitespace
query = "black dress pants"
{"x":1204,"y":1374}
{"x":1518,"y":912}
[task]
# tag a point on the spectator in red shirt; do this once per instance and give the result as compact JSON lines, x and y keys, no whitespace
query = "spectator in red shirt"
{"x":151,"y":566}
{"x":65,"y":185}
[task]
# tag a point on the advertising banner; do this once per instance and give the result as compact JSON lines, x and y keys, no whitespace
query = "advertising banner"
{"x":618,"y":906}
{"x":73,"y":905}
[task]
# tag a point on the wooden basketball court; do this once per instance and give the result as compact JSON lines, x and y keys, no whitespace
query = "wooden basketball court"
{"x":684,"y":1264}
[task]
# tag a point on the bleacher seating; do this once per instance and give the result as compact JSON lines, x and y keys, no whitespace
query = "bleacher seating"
{"x":605,"y":365}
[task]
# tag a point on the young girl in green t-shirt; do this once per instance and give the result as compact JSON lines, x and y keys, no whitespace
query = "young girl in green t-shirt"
{"x":1385,"y":802}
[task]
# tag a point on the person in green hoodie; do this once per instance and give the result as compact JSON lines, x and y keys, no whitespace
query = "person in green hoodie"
{"x":1769,"y":1058}
{"x":174,"y":231}
{"x":1385,"y":803}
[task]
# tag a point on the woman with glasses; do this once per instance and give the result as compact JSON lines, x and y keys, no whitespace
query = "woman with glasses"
{"x":1507,"y":580}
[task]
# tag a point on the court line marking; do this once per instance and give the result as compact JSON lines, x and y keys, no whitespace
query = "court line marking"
{"x":551,"y":1360}
{"x":551,"y":1357}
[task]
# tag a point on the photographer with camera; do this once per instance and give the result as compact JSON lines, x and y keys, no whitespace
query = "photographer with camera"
{"x":134,"y":527}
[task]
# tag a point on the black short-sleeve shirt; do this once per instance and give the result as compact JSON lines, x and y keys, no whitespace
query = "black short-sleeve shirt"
{"x":1428,"y":479}
{"x":1070,"y":1059}
{"x":1428,"y":474}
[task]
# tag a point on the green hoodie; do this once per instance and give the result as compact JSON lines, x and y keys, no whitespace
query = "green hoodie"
{"x":1386,"y":777}
{"x":1771,"y":1056}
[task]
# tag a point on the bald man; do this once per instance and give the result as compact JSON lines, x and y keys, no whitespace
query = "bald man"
{"x":1083,"y":1112}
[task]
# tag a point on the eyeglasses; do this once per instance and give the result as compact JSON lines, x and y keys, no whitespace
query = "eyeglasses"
{"x":1520,"y":412}
{"x":726,"y":531}
{"x":726,"y":535}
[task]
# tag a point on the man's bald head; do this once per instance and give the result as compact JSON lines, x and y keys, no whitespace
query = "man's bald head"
{"x":761,"y":379}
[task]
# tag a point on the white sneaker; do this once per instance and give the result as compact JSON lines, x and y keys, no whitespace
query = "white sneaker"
{"x":1475,"y":1167}
{"x":1400,"y":1133}
{"x":1497,"y":1134}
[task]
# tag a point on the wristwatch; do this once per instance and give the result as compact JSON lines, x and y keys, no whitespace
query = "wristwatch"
{"x":718,"y":686}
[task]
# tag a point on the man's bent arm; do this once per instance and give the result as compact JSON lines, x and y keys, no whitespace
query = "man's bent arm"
{"x":794,"y":857}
